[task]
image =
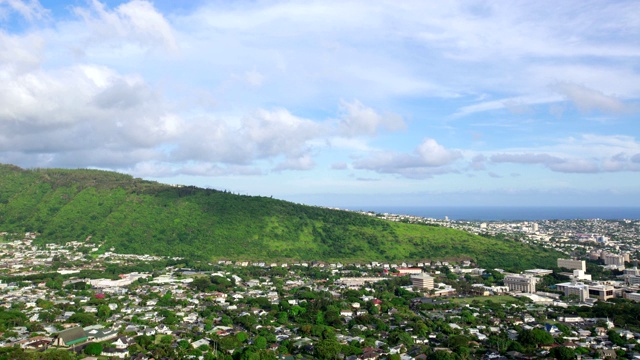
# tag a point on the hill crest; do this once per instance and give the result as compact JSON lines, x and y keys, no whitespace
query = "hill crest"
{"x":145,"y":217}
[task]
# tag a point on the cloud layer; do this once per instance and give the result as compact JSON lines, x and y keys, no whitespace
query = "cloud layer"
{"x":337,"y":92}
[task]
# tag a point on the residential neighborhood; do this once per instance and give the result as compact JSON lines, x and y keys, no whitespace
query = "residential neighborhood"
{"x":77,"y":300}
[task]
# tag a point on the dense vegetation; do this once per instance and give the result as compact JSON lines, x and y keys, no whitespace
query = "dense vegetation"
{"x":137,"y":216}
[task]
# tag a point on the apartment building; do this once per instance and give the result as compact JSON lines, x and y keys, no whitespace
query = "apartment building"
{"x":572,"y":264}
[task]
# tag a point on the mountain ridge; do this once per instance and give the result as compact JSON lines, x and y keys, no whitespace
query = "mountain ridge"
{"x":140,"y":216}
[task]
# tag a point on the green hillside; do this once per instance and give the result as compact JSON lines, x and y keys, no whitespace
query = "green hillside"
{"x":138,"y":216}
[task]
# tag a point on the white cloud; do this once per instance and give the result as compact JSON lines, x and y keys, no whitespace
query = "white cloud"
{"x":303,"y":162}
{"x":586,"y":99}
{"x":428,"y":159}
{"x":30,"y":10}
{"x":136,"y":20}
{"x":358,"y":120}
{"x":587,"y":154}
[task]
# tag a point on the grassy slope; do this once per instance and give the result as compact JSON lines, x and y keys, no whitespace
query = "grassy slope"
{"x":139,"y":216}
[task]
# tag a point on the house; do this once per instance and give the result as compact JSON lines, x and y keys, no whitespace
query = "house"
{"x":114,"y":352}
{"x":198,"y":343}
{"x":123,"y":342}
{"x":346,"y":313}
{"x":551,"y":329}
{"x":70,"y":337}
{"x":607,"y":354}
{"x":163,"y":329}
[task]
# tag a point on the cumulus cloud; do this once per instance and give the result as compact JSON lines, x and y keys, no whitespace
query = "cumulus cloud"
{"x":84,"y":112}
{"x":428,"y":159}
{"x":359,"y":120}
{"x":261,"y":135}
{"x":269,"y":134}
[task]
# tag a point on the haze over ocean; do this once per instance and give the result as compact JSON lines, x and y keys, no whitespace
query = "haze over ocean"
{"x":498,"y":213}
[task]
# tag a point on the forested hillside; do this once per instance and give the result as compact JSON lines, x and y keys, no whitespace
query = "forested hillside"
{"x":139,"y":216}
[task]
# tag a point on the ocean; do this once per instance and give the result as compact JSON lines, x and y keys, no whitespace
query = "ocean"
{"x":508,"y":213}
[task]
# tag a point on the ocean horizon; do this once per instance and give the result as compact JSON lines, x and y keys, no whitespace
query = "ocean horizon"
{"x":510,"y":213}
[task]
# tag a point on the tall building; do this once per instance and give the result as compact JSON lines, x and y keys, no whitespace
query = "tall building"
{"x":522,"y":283}
{"x":613,"y":259}
{"x":572,"y":264}
{"x":422,"y":281}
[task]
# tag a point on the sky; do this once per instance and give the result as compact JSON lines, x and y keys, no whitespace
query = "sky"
{"x":332,"y":103}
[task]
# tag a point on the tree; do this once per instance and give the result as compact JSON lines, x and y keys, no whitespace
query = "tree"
{"x":615,"y":338}
{"x":201,"y":283}
{"x":441,"y":355}
{"x":85,"y":319}
{"x":94,"y":349}
{"x":260,"y":343}
{"x":327,"y":349}
{"x":56,"y":355}
{"x":563,"y":353}
{"x":104,"y":311}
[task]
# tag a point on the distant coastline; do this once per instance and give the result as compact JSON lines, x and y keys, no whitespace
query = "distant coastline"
{"x":510,"y":213}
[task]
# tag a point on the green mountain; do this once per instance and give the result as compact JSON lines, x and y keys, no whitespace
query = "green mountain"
{"x":145,"y":217}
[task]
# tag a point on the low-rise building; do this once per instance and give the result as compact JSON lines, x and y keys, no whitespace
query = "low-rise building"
{"x":575,"y":288}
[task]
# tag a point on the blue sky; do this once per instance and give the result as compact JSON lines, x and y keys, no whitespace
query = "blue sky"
{"x":335,"y":103}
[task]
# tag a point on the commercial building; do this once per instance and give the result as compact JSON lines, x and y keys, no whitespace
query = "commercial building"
{"x":575,"y":288}
{"x":602,"y":292}
{"x":521,"y":283}
{"x":572,"y":264}
{"x":422,"y":281}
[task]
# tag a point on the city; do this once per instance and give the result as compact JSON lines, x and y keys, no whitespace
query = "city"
{"x":76,"y":300}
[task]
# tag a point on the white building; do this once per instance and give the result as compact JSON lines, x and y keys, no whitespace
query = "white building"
{"x":521,"y":283}
{"x":575,"y":288}
{"x":580,"y":275}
